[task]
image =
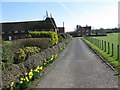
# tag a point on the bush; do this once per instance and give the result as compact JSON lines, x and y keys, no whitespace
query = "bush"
{"x":53,"y":37}
{"x":60,"y":38}
{"x":31,"y":50}
{"x":20,"y":56}
{"x":23,"y":53}
{"x":63,"y":36}
{"x":18,"y":50}
{"x":42,"y":43}
{"x":7,"y":52}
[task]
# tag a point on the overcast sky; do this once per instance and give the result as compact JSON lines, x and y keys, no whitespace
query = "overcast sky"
{"x":98,"y":14}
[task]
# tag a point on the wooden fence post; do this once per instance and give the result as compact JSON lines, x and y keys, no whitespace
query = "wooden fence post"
{"x":105,"y":46}
{"x":108,"y":48}
{"x":102,"y":44}
{"x":118,"y":52}
{"x":112,"y":50}
{"x":98,"y":43}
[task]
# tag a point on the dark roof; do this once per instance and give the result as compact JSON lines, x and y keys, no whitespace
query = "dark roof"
{"x":87,"y":27}
{"x":48,"y":23}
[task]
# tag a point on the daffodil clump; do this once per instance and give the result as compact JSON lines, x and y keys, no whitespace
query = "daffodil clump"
{"x":24,"y":82}
{"x":49,"y":60}
{"x":37,"y":71}
{"x":12,"y":85}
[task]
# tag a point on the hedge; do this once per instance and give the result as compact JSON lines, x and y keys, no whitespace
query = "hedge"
{"x":53,"y":37}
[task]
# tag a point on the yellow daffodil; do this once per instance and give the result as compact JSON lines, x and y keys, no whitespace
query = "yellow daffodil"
{"x":30,"y":73}
{"x":30,"y":77}
{"x":21,"y":79}
{"x":41,"y":67}
{"x":26,"y":73}
{"x":31,"y":70}
{"x":27,"y":79}
{"x":36,"y":70}
{"x":24,"y":79}
{"x":52,"y":57}
{"x":44,"y":63}
{"x":21,"y":82}
{"x":12,"y":84}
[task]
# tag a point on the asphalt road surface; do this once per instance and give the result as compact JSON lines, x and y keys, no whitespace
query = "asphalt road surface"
{"x":78,"y":67}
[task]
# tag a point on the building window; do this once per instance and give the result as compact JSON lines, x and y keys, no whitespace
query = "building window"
{"x":15,"y":31}
{"x":10,"y":38}
{"x":22,"y":31}
{"x":9,"y":32}
{"x":29,"y":30}
{"x":3,"y":32}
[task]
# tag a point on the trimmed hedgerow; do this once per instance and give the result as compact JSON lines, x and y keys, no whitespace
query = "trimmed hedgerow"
{"x":18,"y":50}
{"x":53,"y":37}
{"x":42,"y":43}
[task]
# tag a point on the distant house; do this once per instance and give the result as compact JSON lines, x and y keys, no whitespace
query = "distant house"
{"x":18,"y":30}
{"x":61,"y":30}
{"x":83,"y":31}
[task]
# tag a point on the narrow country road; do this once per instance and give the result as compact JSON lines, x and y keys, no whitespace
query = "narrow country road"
{"x":78,"y":67}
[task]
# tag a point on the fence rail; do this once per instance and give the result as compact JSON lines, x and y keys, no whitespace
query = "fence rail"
{"x":110,"y":48}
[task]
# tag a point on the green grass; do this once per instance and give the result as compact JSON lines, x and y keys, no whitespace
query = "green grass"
{"x":111,"y":38}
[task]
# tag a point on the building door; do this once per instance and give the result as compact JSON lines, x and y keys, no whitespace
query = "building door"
{"x":10,"y":38}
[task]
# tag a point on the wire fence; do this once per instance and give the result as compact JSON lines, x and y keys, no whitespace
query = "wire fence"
{"x":110,"y":48}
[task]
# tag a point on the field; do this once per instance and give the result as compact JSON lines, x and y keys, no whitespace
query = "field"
{"x":103,"y":45}
{"x":111,"y":38}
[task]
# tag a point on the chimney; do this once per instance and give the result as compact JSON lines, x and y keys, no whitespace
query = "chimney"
{"x":63,"y":24}
{"x":47,"y":14}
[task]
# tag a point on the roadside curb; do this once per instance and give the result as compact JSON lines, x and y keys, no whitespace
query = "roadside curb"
{"x":102,"y":58}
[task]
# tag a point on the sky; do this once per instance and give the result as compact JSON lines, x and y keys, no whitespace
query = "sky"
{"x":98,"y":14}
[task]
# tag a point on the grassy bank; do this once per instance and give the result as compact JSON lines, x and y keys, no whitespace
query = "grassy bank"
{"x":115,"y":63}
{"x":111,"y":39}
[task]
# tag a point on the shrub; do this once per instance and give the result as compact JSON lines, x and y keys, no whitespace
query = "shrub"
{"x":42,"y":43}
{"x":7,"y":52}
{"x":20,"y":56}
{"x":53,"y":37}
{"x":60,"y":38}
{"x":23,"y":53}
{"x":65,"y":35}
{"x":31,"y":50}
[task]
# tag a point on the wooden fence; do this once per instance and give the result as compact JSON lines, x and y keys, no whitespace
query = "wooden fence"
{"x":108,"y":47}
